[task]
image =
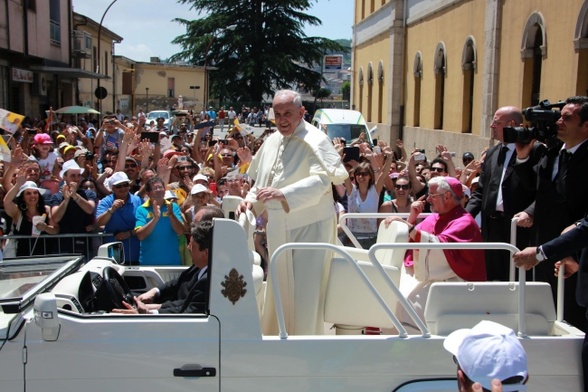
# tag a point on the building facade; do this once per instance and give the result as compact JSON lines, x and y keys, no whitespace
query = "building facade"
{"x":434,"y":72}
{"x":36,"y":69}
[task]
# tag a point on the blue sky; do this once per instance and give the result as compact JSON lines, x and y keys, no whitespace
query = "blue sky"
{"x":147,"y":30}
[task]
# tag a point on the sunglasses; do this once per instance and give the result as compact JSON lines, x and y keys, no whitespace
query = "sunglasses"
{"x":131,"y":166}
{"x":402,"y":186}
{"x":437,"y":169}
{"x":180,"y":168}
{"x":123,"y":185}
{"x":362,"y":174}
{"x":227,"y":155}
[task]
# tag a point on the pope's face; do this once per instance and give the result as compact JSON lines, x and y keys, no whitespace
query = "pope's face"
{"x":287,"y":114}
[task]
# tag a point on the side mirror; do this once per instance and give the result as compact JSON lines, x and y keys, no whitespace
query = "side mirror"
{"x":46,"y":316}
{"x":113,"y":250}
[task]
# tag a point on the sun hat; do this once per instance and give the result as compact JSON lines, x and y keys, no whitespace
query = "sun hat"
{"x":199,"y":188}
{"x":118,"y":178}
{"x":63,"y":145}
{"x":60,"y":137}
{"x":70,"y":165}
{"x":487,"y":351}
{"x":81,"y":151}
{"x":30,"y":185}
{"x":42,"y":138}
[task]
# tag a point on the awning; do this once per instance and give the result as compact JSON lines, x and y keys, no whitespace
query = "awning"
{"x":69,"y":72}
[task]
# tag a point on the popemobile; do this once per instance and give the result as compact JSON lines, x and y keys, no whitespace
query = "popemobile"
{"x":57,"y":332}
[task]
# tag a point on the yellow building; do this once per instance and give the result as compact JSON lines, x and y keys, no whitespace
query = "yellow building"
{"x":434,"y":72}
{"x":156,"y":86}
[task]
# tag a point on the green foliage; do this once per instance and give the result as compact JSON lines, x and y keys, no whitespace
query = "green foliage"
{"x":256,"y":46}
{"x":346,"y":90}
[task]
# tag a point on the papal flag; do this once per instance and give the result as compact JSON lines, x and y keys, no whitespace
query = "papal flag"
{"x":9,"y":121}
{"x":4,"y":151}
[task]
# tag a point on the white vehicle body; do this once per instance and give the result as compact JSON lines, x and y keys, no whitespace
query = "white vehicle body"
{"x":48,"y":342}
{"x":342,"y":123}
{"x":155,"y":114}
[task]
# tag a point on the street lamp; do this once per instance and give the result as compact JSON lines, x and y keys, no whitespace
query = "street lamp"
{"x":212,"y":38}
{"x":147,"y":99}
{"x":98,"y":54}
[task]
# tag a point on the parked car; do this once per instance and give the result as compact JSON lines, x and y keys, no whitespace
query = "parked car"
{"x":342,"y":123}
{"x":155,"y":114}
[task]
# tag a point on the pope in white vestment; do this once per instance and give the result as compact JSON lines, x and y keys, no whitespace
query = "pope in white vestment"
{"x":293,"y":172}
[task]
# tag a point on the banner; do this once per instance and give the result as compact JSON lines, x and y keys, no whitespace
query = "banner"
{"x":9,"y":121}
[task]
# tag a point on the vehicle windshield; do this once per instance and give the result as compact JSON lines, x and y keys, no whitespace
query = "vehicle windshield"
{"x":349,"y":132}
{"x":20,"y":278}
{"x":155,"y":115}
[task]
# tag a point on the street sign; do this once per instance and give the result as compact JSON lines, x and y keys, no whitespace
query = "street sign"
{"x":100,"y":92}
{"x":333,"y":63}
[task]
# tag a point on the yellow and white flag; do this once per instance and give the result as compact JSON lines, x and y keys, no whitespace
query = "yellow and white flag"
{"x":4,"y":151}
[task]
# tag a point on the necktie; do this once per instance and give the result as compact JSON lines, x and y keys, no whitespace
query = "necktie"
{"x":502,"y":155}
{"x":564,"y":158}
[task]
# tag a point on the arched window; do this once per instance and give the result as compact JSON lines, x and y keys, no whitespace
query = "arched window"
{"x":440,"y":68}
{"x":360,"y":108}
{"x":533,"y":50}
{"x":417,"y":70}
{"x":468,"y":66}
{"x":370,"y":91}
{"x":581,"y":46}
{"x":380,"y":90}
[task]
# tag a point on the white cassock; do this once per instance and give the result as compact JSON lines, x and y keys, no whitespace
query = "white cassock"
{"x":302,"y":166}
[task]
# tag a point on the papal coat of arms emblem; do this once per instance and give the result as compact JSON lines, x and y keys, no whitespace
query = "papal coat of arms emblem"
{"x":234,"y":286}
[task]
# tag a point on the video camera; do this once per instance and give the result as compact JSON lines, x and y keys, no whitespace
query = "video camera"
{"x":543,"y":120}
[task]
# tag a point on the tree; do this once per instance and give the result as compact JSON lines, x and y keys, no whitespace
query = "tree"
{"x":264,"y":49}
{"x":346,"y":90}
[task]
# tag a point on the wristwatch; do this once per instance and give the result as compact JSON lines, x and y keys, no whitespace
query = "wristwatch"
{"x":540,"y":256}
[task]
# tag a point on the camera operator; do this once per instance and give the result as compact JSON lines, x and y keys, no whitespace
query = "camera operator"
{"x":501,"y":194}
{"x":560,"y":180}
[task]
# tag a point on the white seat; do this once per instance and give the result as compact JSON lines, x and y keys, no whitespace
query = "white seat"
{"x":358,"y":307}
{"x":454,"y":305}
{"x":230,"y":204}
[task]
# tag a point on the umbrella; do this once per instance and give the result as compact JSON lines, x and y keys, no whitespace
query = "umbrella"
{"x":76,"y":110}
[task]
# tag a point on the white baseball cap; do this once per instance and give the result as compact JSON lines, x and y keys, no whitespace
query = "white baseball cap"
{"x":170,"y":195}
{"x":118,"y":178}
{"x":70,"y":165}
{"x":487,"y":351}
{"x":200,"y":177}
{"x":199,"y":188}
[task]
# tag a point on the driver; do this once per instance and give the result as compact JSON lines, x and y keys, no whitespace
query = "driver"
{"x":189,"y":292}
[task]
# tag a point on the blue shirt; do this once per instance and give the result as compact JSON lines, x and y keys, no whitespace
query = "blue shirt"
{"x":161,"y":247}
{"x":123,"y":219}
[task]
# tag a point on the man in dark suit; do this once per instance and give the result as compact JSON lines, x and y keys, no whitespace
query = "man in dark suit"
{"x":501,"y":194}
{"x":189,"y":292}
{"x":560,"y":177}
{"x":573,"y":241}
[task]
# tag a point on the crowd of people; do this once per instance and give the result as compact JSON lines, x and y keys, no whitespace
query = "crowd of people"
{"x":68,"y":181}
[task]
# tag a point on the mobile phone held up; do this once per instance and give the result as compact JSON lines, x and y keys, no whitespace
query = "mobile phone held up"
{"x":350,"y":154}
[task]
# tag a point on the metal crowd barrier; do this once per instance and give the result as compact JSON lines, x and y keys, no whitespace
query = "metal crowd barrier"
{"x":85,"y":244}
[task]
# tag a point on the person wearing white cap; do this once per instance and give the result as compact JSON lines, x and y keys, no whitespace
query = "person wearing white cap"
{"x":486,"y":352}
{"x":200,"y":197}
{"x":73,"y":208}
{"x":25,"y":205}
{"x":116,"y":212}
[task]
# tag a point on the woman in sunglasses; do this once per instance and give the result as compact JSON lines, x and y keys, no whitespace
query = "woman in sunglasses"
{"x":403,"y":199}
{"x":363,"y":196}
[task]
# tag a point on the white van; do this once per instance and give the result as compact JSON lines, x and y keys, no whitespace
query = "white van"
{"x":343,"y":123}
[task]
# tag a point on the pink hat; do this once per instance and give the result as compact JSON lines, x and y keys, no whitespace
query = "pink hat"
{"x":455,"y":186}
{"x":42,"y":138}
